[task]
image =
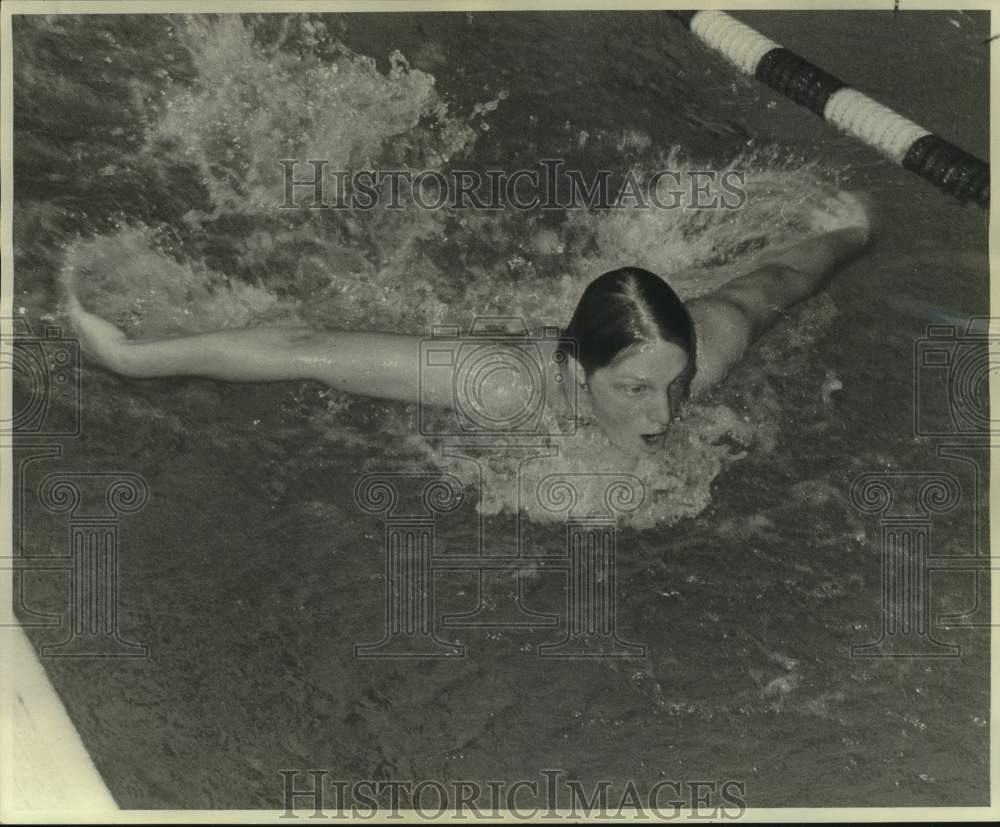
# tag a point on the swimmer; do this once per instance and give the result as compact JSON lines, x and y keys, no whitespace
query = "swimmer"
{"x":634,"y":350}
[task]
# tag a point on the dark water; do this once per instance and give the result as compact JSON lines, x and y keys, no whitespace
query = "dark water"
{"x":251,"y":574}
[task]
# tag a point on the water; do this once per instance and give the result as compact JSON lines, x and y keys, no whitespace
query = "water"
{"x":252,"y":573}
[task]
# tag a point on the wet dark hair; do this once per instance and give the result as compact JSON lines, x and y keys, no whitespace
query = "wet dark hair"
{"x":625,"y":307}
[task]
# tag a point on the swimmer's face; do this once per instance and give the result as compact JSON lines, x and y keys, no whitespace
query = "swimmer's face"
{"x":631,"y":397}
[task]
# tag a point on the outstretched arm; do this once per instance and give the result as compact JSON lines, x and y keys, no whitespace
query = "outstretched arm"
{"x":729,"y":320}
{"x":384,"y":365}
{"x":371,"y":364}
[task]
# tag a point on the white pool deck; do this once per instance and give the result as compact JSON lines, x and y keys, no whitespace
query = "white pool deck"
{"x":45,"y":770}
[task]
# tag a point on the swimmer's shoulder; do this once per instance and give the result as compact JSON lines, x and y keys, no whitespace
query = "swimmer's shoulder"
{"x":721,"y":339}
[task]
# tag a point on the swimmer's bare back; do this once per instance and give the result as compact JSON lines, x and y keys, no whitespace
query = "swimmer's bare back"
{"x":386,"y":365}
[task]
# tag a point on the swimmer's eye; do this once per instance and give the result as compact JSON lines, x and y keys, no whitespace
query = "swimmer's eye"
{"x":635,"y":390}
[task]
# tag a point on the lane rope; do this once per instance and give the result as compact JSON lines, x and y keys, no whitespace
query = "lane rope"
{"x":899,"y":139}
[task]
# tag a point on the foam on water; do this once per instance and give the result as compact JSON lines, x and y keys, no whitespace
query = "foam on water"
{"x":383,"y":269}
{"x":586,"y":476}
{"x":250,"y":106}
{"x":130,"y":280}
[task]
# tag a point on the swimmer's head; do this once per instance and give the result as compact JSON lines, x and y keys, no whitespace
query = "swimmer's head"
{"x":634,"y":344}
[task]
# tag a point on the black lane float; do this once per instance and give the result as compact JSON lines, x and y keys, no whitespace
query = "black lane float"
{"x":898,"y":138}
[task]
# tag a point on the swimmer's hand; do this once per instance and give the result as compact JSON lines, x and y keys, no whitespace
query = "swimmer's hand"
{"x":845,"y":210}
{"x":98,"y":337}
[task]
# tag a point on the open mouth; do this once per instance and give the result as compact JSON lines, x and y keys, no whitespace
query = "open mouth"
{"x":653,"y":439}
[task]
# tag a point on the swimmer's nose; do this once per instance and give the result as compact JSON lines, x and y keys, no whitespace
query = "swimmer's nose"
{"x":659,"y":414}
